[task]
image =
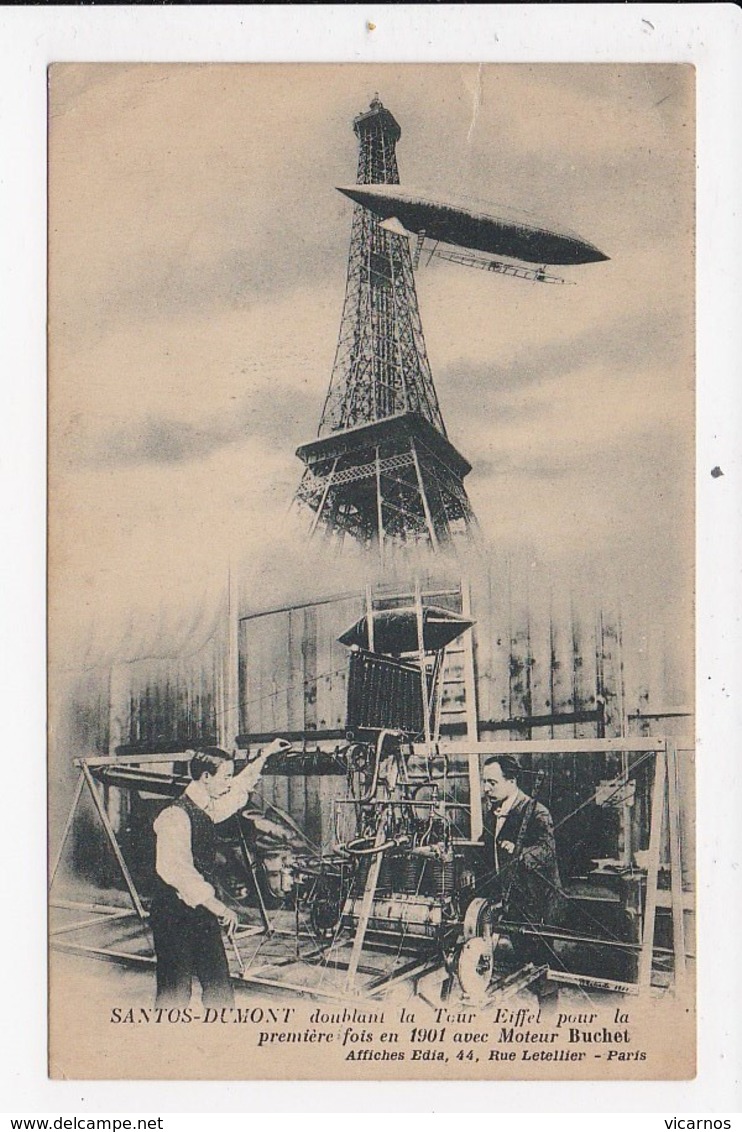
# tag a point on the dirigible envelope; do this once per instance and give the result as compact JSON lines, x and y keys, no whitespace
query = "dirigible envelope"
{"x":480,"y":227}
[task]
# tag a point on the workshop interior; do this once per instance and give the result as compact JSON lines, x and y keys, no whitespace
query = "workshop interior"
{"x":357,"y":866}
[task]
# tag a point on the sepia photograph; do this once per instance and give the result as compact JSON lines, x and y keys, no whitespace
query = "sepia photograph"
{"x":372,"y":571}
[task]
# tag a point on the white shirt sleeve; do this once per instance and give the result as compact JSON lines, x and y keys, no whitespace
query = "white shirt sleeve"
{"x":236,"y":797}
{"x":174,"y":858}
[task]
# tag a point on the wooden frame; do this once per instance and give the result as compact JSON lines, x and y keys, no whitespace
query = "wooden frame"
{"x":664,"y":818}
{"x":664,"y":821}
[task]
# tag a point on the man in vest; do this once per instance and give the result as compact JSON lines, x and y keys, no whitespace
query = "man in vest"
{"x":186,"y":915}
{"x":520,"y":862}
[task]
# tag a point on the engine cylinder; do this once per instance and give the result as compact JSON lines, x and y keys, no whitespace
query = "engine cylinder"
{"x":405,"y":915}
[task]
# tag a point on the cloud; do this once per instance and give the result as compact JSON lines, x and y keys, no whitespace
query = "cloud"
{"x":178,"y":189}
{"x":624,"y":347}
{"x":176,"y":389}
{"x":162,"y":440}
{"x":156,"y":441}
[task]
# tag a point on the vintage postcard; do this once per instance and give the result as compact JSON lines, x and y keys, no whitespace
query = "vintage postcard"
{"x":371,"y":483}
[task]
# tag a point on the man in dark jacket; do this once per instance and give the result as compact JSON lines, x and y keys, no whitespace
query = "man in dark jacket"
{"x":519,"y":859}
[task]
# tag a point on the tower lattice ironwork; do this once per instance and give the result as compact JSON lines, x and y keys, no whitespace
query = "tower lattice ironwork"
{"x":382,"y":469}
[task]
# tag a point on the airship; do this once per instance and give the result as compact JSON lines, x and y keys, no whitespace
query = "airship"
{"x":474,"y":228}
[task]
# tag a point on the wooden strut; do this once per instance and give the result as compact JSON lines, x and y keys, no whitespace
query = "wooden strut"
{"x":472,"y":734}
{"x":106,"y":953}
{"x":369,"y":893}
{"x":93,"y":921}
{"x":419,"y":616}
{"x":515,"y":982}
{"x":637,"y":744}
{"x":452,"y":732}
{"x":103,"y":914}
{"x":67,"y":827}
{"x":82,"y":906}
{"x":370,"y":619}
{"x":412,"y":970}
{"x":86,"y":779}
{"x":128,"y":879}
{"x":664,"y":818}
{"x":379,"y":508}
{"x":676,"y":874}
{"x":252,"y":868}
{"x":644,"y":978}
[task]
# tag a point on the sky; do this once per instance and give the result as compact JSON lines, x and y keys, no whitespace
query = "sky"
{"x":198,"y":254}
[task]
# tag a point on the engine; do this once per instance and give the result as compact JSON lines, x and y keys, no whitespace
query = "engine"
{"x":398,"y":871}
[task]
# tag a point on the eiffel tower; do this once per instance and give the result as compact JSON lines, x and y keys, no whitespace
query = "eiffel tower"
{"x":382,"y":469}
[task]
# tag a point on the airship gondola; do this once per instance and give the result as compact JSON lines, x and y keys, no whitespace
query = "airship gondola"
{"x":472,"y":233}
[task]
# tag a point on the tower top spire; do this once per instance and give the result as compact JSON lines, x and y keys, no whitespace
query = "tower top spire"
{"x":377,"y":118}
